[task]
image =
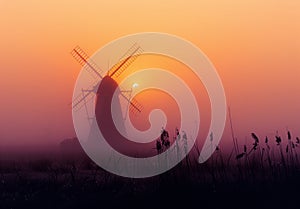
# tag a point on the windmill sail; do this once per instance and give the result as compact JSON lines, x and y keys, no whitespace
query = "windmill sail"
{"x":135,"y":106}
{"x":127,"y":59}
{"x":90,"y":66}
{"x":86,"y":95}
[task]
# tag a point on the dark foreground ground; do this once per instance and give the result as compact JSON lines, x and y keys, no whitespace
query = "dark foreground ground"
{"x":262,"y":176}
{"x":135,"y":194}
{"x":78,"y":183}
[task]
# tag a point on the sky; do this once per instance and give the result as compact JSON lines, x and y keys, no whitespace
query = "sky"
{"x":254,"y":46}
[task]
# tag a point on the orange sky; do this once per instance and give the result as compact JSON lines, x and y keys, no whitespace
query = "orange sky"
{"x":254,"y":46}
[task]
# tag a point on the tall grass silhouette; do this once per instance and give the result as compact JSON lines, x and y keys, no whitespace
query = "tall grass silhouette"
{"x":259,"y":163}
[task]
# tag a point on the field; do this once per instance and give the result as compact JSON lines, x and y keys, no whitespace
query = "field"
{"x":263,"y":174}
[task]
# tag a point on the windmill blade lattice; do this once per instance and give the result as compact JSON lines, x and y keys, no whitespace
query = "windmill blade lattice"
{"x":134,"y":106}
{"x":84,"y":60}
{"x":91,"y":67}
{"x":87,"y":95}
{"x":127,"y":59}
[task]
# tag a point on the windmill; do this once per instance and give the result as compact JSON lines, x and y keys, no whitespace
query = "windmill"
{"x":97,"y":74}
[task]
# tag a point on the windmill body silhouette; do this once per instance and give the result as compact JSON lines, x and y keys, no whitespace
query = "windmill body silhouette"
{"x":96,"y":73}
{"x":104,"y":88}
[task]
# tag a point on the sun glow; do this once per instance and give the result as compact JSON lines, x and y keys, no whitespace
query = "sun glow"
{"x":135,"y":85}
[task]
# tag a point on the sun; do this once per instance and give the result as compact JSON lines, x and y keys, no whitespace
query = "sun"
{"x":135,"y":85}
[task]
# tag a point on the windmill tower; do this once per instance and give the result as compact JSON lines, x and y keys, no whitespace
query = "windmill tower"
{"x":104,"y":87}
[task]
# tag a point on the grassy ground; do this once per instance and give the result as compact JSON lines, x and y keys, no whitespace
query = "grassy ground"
{"x":262,"y":175}
{"x":47,"y":184}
